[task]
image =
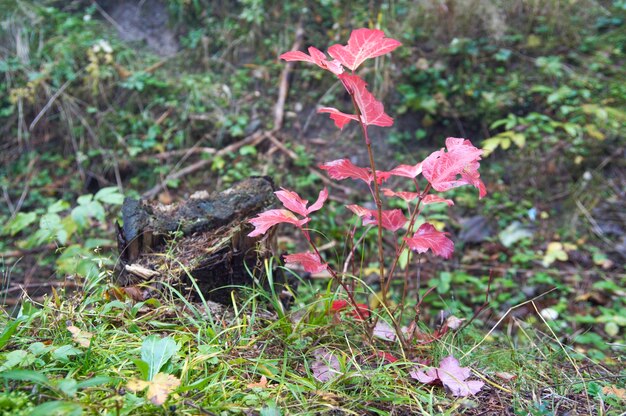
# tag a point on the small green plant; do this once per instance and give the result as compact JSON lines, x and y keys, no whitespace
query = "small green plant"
{"x":68,"y":229}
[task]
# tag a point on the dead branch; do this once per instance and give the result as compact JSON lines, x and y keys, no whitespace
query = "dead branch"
{"x":279,"y":108}
{"x":253,"y":139}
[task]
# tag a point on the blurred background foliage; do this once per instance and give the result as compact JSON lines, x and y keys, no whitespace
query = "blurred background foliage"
{"x":109,"y":98}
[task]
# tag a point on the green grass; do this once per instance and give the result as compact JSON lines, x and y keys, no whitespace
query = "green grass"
{"x":221,"y":361}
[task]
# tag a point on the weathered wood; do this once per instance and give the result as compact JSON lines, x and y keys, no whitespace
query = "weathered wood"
{"x":200,"y":244}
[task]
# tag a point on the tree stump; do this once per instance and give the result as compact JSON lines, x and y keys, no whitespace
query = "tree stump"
{"x":199,"y":245}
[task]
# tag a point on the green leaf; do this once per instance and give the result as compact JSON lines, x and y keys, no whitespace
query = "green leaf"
{"x":270,"y":410}
{"x":156,"y":352}
{"x":51,"y":228}
{"x":403,"y":259}
{"x":514,"y":233}
{"x":18,"y":223}
{"x":39,"y":348}
{"x":247,"y":150}
{"x":94,"y":381}
{"x":17,"y":358}
{"x":8,"y":332}
{"x":25,"y":375}
{"x":91,"y":209}
{"x":58,"y":206}
{"x":110,"y":195}
{"x":57,"y":408}
{"x":143,"y":368}
{"x":68,"y":386}
{"x":571,"y":129}
{"x":84,"y":199}
{"x":64,"y":352}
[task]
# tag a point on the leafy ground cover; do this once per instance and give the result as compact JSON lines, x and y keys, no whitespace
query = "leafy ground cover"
{"x":89,"y":118}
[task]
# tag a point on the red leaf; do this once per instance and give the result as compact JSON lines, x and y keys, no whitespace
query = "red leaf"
{"x":316,"y":57}
{"x":392,"y":219}
{"x":428,"y":238}
{"x":363,"y":44}
{"x":361,"y":312}
{"x":319,"y":203}
{"x":407,"y":171}
{"x":456,"y":167}
{"x":386,"y":356}
{"x":434,"y":199}
{"x":372,"y":110}
{"x":309,"y":261}
{"x":340,"y":119}
{"x":293,"y":202}
{"x":338,"y":305}
{"x":268,"y":219}
{"x":343,"y":169}
{"x":452,"y":376}
{"x":407,"y":196}
{"x":360,"y":211}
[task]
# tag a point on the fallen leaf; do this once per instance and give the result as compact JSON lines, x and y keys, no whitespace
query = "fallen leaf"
{"x":261,"y":384}
{"x":326,"y":365}
{"x":386,"y":356}
{"x":159,"y":388}
{"x":384,"y":331}
{"x":615,"y":391}
{"x":506,"y":376}
{"x":453,"y":322}
{"x":451,"y":375}
{"x":83,"y":338}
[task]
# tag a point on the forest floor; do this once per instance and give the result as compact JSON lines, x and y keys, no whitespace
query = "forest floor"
{"x":107,"y":100}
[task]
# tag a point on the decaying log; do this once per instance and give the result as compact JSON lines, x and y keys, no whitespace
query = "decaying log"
{"x":200,"y":244}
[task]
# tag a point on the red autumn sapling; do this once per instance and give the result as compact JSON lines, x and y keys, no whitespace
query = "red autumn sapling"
{"x":444,"y":169}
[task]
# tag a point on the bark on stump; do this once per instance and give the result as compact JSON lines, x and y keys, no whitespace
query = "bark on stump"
{"x":198,"y":245}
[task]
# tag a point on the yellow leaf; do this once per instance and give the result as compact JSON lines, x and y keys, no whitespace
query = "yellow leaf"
{"x":519,"y":139}
{"x":439,"y":225}
{"x":490,"y":145}
{"x":594,"y":132}
{"x":159,"y":387}
{"x":533,"y":41}
{"x":83,"y":338}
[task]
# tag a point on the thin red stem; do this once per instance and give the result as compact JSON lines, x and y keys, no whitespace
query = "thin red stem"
{"x":379,"y":203}
{"x":409,"y":229}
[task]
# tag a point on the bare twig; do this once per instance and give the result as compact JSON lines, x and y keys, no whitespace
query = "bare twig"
{"x":180,"y":152}
{"x":51,"y":101}
{"x":279,"y":108}
{"x":108,"y":17}
{"x":250,"y":140}
{"x":39,"y":285}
